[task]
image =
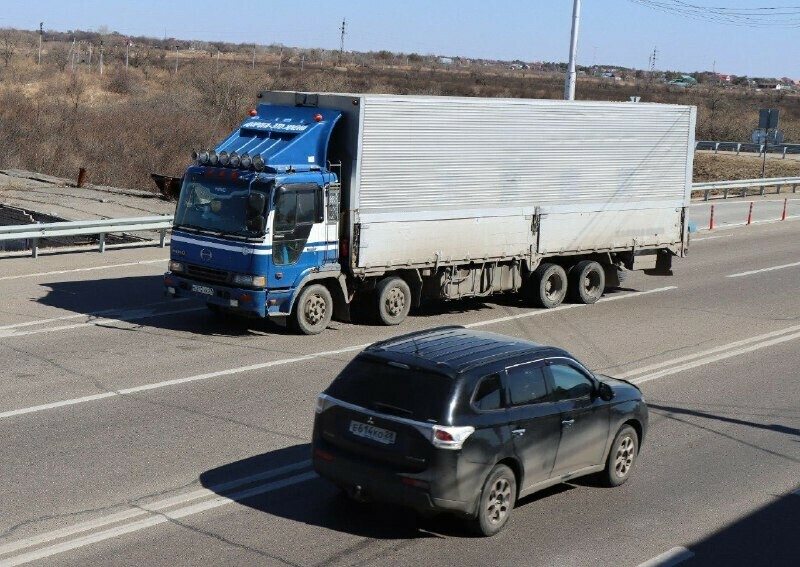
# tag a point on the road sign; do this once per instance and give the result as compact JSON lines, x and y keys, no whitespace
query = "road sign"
{"x":768,"y":118}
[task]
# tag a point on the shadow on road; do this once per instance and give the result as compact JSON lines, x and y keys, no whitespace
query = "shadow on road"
{"x":767,"y":536}
{"x":318,"y":502}
{"x":697,"y":413}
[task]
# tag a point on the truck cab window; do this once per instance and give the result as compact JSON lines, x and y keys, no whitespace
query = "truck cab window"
{"x":294,"y":217}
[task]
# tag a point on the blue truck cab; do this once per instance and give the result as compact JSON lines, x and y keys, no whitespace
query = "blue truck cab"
{"x":257,"y":217}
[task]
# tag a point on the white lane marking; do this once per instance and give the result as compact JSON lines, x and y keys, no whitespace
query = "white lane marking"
{"x":239,"y":370}
{"x":710,"y":237}
{"x":104,"y":313}
{"x":141,"y":510}
{"x":133,"y":315}
{"x":750,"y":273}
{"x":186,"y":380}
{"x":701,"y":354}
{"x":90,"y":269}
{"x":669,"y":558}
{"x":564,"y":307}
{"x":716,"y":358}
{"x":155,"y":519}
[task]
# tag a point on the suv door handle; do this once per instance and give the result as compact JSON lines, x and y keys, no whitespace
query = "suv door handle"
{"x":567,"y":422}
{"x":518,"y":432}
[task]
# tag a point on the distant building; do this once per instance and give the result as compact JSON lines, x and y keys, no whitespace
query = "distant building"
{"x":445,"y":60}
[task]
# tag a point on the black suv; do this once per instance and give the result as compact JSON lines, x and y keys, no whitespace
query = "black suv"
{"x":452,"y":419}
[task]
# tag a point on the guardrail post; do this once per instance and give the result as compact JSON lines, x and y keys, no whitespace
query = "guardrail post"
{"x":778,"y":192}
{"x":725,"y":193}
{"x":35,"y":247}
{"x":744,"y":192}
{"x":784,"y":152}
{"x":102,"y":242}
{"x":163,"y":237}
{"x":738,"y":147}
{"x":716,"y":148}
{"x":705,"y":194}
{"x":794,"y":188}
{"x":762,"y":190}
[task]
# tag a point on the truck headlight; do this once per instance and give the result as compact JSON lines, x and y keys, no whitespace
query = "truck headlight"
{"x":249,"y":281}
{"x":176,"y":267}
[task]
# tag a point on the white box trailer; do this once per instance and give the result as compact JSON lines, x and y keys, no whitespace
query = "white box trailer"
{"x":434,"y":180}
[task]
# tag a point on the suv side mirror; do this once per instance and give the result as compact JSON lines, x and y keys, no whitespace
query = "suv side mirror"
{"x":605,"y":392}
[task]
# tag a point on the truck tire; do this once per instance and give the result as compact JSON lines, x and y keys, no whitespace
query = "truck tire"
{"x":312,"y":311}
{"x":394,"y":300}
{"x":548,"y":286}
{"x":587,"y":282}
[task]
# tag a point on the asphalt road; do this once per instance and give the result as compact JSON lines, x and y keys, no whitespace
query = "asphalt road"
{"x":139,"y":431}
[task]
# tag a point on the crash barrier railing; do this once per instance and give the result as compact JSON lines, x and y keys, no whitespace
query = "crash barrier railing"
{"x":743,"y":185}
{"x":739,"y":147}
{"x":749,"y":220}
{"x":100,"y":227}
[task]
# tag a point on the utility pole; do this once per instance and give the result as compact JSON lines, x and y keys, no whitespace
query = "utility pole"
{"x":127,"y":47}
{"x":254,"y":56}
{"x":72,"y":55}
{"x":176,"y":59}
{"x":341,"y":41}
{"x":101,"y":56}
{"x":41,"y":33}
{"x":569,"y":86}
{"x":302,"y":61}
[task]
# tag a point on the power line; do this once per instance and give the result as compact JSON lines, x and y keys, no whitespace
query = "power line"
{"x":765,"y":16}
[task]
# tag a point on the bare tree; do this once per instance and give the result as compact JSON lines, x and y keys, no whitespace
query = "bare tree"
{"x":60,"y":56}
{"x":7,"y":46}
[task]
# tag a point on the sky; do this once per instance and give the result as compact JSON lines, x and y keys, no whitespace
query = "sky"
{"x":612,"y":32}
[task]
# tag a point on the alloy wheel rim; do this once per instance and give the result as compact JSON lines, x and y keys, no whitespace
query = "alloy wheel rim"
{"x":624,"y":457}
{"x":498,"y":501}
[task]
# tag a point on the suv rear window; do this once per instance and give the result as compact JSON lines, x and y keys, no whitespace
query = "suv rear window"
{"x":379,"y":386}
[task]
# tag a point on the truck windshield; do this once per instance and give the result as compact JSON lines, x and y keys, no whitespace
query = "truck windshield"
{"x":214,"y":204}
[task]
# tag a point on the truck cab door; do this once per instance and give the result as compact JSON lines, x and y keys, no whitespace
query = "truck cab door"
{"x":296,"y":211}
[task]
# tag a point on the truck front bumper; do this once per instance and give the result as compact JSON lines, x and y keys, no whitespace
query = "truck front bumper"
{"x":245,"y":301}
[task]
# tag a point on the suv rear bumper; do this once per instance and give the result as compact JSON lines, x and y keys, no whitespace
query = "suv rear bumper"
{"x":415,"y":491}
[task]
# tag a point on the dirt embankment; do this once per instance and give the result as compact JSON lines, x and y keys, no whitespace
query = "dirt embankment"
{"x":723,"y":167}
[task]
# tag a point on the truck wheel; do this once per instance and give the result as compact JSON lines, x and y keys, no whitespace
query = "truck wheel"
{"x":548,"y":285}
{"x":587,"y":281}
{"x":312,"y":311}
{"x":394,"y":300}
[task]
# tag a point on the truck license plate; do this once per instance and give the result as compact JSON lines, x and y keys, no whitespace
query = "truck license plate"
{"x":373,"y":433}
{"x":204,"y":289}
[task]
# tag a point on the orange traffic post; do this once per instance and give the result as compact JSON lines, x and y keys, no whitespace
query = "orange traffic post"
{"x":785,"y":202}
{"x":750,"y":213}
{"x":711,"y":222}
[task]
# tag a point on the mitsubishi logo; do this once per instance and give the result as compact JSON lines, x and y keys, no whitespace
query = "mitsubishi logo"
{"x":370,"y":421}
{"x":206,"y":255}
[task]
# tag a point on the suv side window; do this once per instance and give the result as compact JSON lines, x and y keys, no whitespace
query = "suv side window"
{"x":526,"y":384}
{"x":569,"y":383}
{"x":488,"y":394}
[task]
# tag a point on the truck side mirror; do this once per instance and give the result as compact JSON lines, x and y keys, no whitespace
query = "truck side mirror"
{"x":319,"y":205}
{"x":255,"y":205}
{"x":257,"y":224}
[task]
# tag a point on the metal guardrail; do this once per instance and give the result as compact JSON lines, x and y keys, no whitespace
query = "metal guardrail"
{"x":101,"y":227}
{"x":745,"y":184}
{"x":748,"y":147}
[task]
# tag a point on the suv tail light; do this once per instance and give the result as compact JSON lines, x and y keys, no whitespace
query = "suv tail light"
{"x":453,"y":438}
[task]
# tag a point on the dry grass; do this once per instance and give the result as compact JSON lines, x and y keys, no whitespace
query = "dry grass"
{"x":123,"y":125}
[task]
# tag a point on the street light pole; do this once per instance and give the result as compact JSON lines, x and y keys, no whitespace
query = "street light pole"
{"x":569,"y":86}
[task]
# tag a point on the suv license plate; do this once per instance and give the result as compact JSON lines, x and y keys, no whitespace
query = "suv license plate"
{"x":204,"y":289}
{"x":373,"y":433}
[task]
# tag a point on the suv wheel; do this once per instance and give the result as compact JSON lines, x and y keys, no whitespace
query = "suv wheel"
{"x":622,"y":457}
{"x":496,"y":501}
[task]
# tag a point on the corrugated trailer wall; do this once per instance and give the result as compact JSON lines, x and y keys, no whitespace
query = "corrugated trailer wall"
{"x":444,"y":179}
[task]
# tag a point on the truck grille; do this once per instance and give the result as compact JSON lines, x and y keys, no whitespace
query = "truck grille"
{"x":207,"y":274}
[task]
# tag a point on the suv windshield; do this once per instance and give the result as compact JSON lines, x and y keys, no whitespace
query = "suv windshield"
{"x":215,"y":204}
{"x":410,"y":393}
